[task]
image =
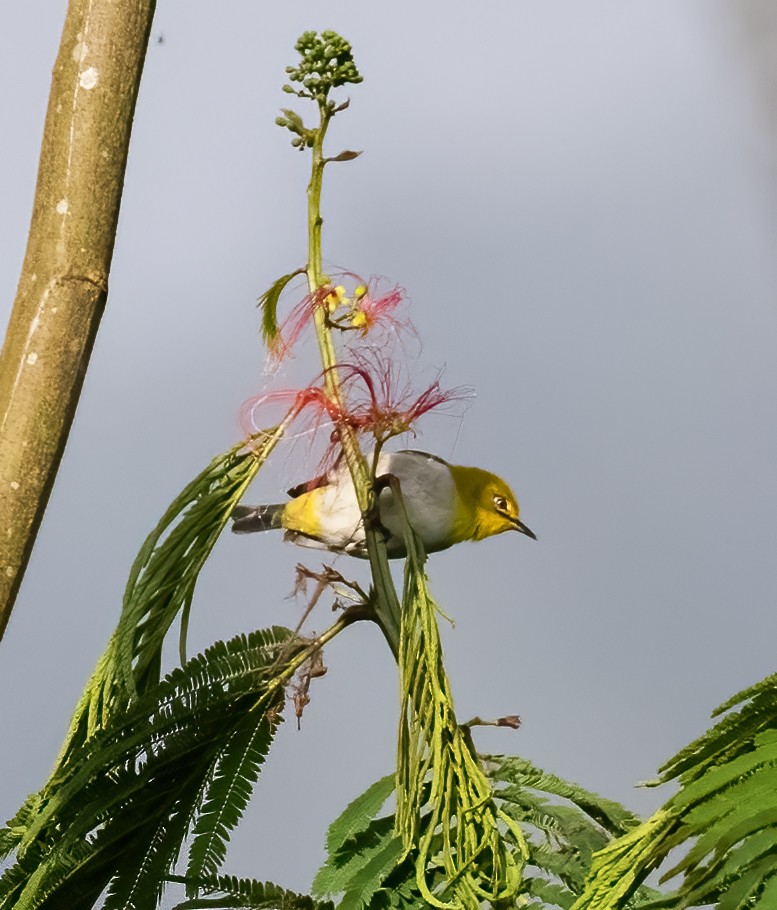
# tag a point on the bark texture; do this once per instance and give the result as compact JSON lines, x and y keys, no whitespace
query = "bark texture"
{"x":64,"y":281}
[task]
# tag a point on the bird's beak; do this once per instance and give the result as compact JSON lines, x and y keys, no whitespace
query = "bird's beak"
{"x":520,"y":526}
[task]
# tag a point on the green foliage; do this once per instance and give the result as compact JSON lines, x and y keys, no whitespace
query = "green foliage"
{"x":161,"y":585}
{"x":358,"y":847}
{"x":228,"y":789}
{"x":725,"y":813}
{"x":119,"y":810}
{"x":145,"y":762}
{"x":563,"y":825}
{"x":164,"y":575}
{"x":268,"y":303}
{"x":358,"y":813}
{"x":357,"y":870}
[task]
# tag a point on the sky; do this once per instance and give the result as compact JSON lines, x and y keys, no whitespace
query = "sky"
{"x":577,"y":200}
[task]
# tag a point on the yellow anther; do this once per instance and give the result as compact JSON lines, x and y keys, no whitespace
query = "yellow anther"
{"x":359,"y":320}
{"x":360,"y":292}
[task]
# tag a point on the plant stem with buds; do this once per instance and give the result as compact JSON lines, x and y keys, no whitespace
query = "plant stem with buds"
{"x":387,"y":607}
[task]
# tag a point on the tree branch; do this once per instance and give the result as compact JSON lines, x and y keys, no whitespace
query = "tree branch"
{"x":64,"y":280}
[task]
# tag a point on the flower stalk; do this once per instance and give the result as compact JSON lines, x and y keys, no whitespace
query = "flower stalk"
{"x":465,"y":849}
{"x":386,"y":602}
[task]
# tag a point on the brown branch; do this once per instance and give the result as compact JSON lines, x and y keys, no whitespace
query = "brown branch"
{"x":64,"y":279}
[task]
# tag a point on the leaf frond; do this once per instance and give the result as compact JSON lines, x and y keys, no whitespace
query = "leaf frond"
{"x":724,"y":815}
{"x":161,"y":585}
{"x":562,"y":824}
{"x":123,"y":805}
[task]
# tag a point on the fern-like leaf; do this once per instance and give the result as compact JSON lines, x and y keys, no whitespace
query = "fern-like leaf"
{"x":609,"y":815}
{"x":371,"y":876}
{"x":229,"y":789}
{"x":161,"y":585}
{"x":122,"y":806}
{"x":725,"y":812}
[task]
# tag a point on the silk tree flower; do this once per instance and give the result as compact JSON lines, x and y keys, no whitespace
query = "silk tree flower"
{"x":382,"y":402}
{"x":366,"y":310}
{"x":372,"y":310}
{"x":376,"y":401}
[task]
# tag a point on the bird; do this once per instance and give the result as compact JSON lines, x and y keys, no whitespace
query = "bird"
{"x":445,"y":504}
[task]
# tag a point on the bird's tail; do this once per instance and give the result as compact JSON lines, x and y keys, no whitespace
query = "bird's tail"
{"x":247,"y":519}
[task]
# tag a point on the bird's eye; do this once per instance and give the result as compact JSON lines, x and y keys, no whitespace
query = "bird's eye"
{"x":501,"y":503}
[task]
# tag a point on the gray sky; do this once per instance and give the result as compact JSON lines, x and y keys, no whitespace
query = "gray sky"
{"x":576,"y":200}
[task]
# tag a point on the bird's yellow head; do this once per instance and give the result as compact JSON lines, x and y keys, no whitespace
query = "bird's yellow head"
{"x":487,"y":505}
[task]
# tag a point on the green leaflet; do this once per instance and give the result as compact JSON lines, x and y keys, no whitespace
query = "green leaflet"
{"x":372,"y":875}
{"x":154,"y":850}
{"x":268,"y":302}
{"x":758,"y":710}
{"x":753,"y":859}
{"x":564,"y":825}
{"x":768,"y":897}
{"x":163,"y":577}
{"x":746,"y":890}
{"x":343,"y":869}
{"x":611,"y":816}
{"x":548,"y":894}
{"x":358,"y":813}
{"x":229,"y":788}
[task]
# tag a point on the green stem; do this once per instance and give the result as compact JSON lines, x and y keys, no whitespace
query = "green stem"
{"x":387,"y":606}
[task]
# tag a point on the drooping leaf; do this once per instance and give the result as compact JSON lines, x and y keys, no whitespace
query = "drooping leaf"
{"x":164,"y":575}
{"x":483,"y":849}
{"x":161,"y":585}
{"x":268,"y":302}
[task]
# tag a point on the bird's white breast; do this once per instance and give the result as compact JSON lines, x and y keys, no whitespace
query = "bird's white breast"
{"x":429,"y":495}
